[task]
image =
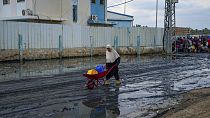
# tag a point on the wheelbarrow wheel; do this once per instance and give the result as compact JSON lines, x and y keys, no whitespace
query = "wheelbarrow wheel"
{"x":90,"y":84}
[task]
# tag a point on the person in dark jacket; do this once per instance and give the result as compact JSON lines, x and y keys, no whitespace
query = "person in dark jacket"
{"x":112,"y":60}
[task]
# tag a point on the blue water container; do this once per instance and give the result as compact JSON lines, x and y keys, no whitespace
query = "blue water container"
{"x":100,"y":68}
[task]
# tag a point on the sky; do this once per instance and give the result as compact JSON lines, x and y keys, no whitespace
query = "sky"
{"x":189,"y":13}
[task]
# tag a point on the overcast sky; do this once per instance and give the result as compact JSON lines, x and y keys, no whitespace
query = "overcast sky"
{"x":189,"y":13}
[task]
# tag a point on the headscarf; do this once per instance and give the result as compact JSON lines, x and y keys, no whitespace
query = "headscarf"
{"x":111,"y":56}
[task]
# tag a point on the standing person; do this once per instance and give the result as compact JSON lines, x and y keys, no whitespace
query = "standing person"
{"x":112,"y":59}
{"x":208,"y":44}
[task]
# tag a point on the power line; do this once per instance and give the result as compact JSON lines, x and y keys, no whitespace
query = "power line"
{"x":120,"y":4}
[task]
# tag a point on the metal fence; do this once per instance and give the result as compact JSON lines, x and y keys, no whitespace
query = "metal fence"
{"x":16,"y":35}
{"x":23,"y":40}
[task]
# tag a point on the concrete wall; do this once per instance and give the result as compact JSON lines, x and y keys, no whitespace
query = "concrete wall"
{"x":36,"y":54}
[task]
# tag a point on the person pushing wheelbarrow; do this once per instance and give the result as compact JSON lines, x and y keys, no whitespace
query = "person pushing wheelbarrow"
{"x":112,"y":61}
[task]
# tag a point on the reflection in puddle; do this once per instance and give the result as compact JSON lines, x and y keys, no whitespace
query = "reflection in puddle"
{"x":55,"y":88}
{"x":97,"y":104}
{"x":104,"y":105}
{"x":49,"y":67}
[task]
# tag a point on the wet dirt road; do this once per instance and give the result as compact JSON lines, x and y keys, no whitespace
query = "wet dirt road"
{"x":55,"y":88}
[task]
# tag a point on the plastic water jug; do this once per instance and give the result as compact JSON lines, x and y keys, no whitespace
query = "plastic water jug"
{"x":92,"y":72}
{"x":99,"y":68}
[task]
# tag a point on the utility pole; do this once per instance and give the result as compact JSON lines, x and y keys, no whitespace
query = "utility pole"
{"x":125,"y":7}
{"x":169,"y":25}
{"x":156,"y":32}
{"x":156,"y":12}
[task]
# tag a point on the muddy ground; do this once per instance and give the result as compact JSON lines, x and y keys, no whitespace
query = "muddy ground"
{"x":56,"y":88}
{"x":195,"y":104}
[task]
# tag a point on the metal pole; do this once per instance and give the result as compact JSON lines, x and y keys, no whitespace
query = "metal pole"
{"x":125,"y":7}
{"x":156,"y":12}
{"x":116,"y":42}
{"x":138,"y":45}
{"x":170,"y":28}
{"x":91,"y":46}
{"x":60,"y":46}
{"x":175,"y":26}
{"x":169,"y":24}
{"x":156,"y":23}
{"x":61,"y":36}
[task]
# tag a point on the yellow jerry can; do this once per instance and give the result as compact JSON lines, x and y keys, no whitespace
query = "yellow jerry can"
{"x":92,"y":72}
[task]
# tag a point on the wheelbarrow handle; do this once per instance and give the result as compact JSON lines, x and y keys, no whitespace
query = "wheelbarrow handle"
{"x":109,"y":70}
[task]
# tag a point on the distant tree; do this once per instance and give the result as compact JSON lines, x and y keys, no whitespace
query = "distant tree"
{"x":206,"y":31}
{"x":138,"y":25}
{"x":200,"y":32}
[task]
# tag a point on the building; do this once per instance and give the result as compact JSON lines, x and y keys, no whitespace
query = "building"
{"x":120,"y":20}
{"x":80,"y":12}
{"x":182,"y":31}
{"x":99,"y":13}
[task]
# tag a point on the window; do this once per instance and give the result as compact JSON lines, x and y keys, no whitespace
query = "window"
{"x":20,"y":0}
{"x":93,"y":1}
{"x":6,"y":2}
{"x":74,"y":13}
{"x":102,"y":2}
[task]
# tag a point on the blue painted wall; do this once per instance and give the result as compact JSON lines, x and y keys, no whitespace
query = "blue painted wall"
{"x":122,"y":23}
{"x":99,"y":10}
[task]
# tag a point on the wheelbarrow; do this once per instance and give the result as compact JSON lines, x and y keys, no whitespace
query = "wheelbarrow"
{"x":95,"y":80}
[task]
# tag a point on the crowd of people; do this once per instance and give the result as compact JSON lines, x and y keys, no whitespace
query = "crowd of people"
{"x":192,"y":44}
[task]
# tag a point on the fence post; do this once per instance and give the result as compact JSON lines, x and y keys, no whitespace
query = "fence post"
{"x":115,"y":42}
{"x":156,"y":38}
{"x":91,"y":46}
{"x":20,"y":47}
{"x":60,"y":46}
{"x":138,"y":45}
{"x":129,"y":36}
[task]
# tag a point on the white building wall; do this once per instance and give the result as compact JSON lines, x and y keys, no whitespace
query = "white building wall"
{"x":20,"y":6}
{"x":48,"y":9}
{"x":8,"y":10}
{"x":84,"y":11}
{"x":14,"y":9}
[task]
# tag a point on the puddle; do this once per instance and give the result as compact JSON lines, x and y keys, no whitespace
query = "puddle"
{"x":55,"y":88}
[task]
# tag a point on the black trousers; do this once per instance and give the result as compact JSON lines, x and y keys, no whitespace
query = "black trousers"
{"x":114,"y":71}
